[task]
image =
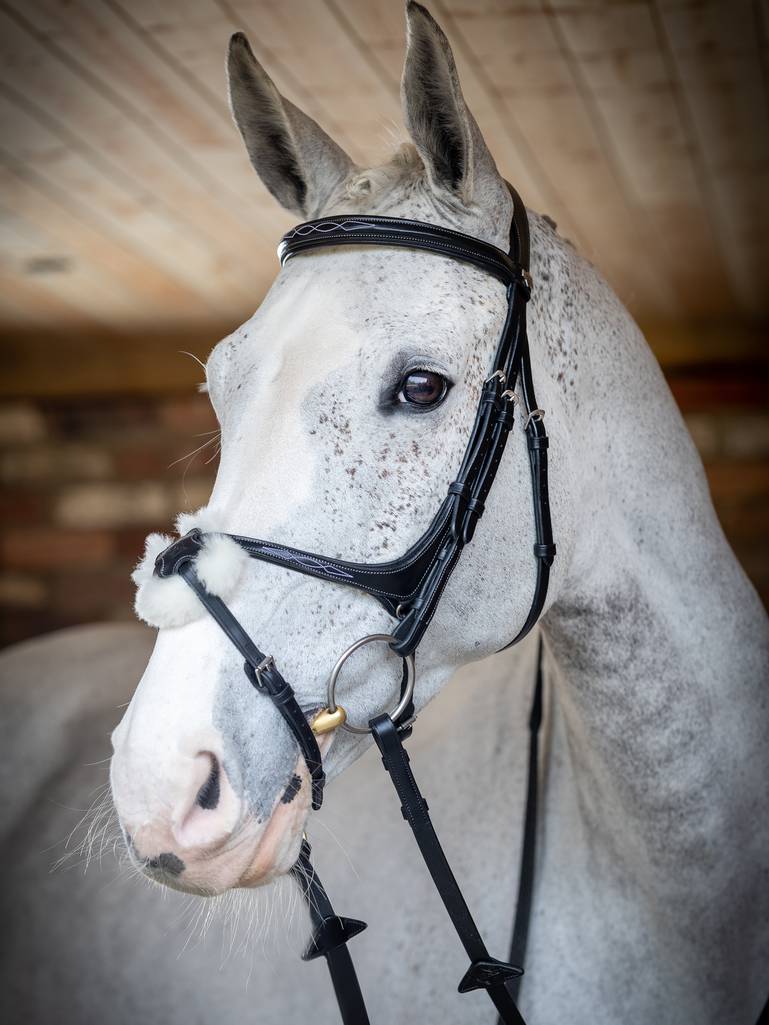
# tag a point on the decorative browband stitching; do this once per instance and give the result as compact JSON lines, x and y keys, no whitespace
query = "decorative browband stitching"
{"x":392,"y":583}
{"x":325,"y":228}
{"x":304,"y":561}
{"x":402,"y":233}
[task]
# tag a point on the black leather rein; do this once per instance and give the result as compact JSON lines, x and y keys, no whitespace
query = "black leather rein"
{"x":410,"y":589}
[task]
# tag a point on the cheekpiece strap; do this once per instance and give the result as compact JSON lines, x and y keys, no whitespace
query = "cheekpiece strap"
{"x":260,"y":669}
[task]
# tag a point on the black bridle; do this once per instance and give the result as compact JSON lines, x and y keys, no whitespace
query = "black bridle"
{"x":410,"y":589}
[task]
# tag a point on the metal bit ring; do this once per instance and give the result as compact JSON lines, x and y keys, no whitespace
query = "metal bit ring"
{"x":408,"y":691}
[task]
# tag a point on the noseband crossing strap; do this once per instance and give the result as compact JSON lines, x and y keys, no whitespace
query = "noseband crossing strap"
{"x":410,"y":588}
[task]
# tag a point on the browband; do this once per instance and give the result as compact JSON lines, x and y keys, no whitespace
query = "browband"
{"x":398,"y":231}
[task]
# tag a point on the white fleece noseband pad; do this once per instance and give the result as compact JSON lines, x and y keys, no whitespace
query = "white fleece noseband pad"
{"x":170,"y":601}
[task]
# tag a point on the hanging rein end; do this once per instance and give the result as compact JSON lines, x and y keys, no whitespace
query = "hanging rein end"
{"x":488,"y":973}
{"x":332,"y":933}
{"x":329,"y":929}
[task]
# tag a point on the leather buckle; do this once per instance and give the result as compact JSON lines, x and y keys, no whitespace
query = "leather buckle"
{"x":254,"y":673}
{"x":535,"y":414}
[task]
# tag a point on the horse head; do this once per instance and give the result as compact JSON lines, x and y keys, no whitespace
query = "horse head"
{"x":345,"y":404}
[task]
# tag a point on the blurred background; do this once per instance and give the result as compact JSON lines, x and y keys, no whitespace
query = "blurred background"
{"x":134,"y":231}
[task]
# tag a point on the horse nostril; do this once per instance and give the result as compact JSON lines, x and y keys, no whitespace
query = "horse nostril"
{"x":165,"y":864}
{"x":208,"y":795}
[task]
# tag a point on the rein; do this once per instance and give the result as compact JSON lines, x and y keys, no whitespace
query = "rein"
{"x":410,"y":588}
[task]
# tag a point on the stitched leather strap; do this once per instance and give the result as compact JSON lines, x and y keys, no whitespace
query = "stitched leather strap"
{"x":544,"y":546}
{"x":331,"y":934}
{"x":399,"y":232}
{"x":520,"y":937}
{"x":485,"y":972}
{"x":392,"y":583}
{"x":260,"y":670}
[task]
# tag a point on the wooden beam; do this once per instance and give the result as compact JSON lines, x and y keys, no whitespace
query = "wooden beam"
{"x":708,"y":343}
{"x":37,"y":365}
{"x":90,"y":362}
{"x":132,"y":141}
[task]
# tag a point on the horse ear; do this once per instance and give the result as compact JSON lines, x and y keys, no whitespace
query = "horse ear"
{"x":444,"y":131}
{"x":296,"y":160}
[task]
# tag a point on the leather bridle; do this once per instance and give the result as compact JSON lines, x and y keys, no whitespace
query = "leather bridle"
{"x":410,"y":589}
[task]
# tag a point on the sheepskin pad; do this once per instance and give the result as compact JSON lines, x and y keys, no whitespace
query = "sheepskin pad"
{"x":170,"y":601}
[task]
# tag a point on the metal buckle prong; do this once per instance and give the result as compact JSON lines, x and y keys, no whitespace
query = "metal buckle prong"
{"x":497,"y":373}
{"x":535,"y":414}
{"x":267,"y":663}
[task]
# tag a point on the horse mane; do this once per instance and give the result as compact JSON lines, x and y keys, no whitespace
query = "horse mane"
{"x":404,"y":165}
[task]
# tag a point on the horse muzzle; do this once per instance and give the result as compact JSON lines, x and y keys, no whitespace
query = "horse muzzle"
{"x":192,"y":832}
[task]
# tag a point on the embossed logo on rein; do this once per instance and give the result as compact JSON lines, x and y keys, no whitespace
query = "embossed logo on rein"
{"x":308,"y":562}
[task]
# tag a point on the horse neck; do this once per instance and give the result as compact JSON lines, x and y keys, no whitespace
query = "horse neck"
{"x":657,"y":645}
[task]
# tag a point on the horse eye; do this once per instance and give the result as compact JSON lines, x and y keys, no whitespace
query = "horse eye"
{"x":422,"y":388}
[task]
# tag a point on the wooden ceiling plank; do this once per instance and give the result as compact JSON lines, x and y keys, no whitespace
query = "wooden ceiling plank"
{"x":380,"y":33}
{"x":331,"y":66}
{"x":136,"y":290}
{"x":193,"y":39}
{"x":46,"y":283}
{"x":481,"y":8}
{"x":378,"y":30}
{"x":381,"y":29}
{"x":38,"y":304}
{"x":350,"y":23}
{"x":502,"y":39}
{"x":515,"y":157}
{"x":228,"y":160}
{"x":220,"y":148}
{"x":112,"y":47}
{"x":555,"y":126}
{"x":621,"y":64}
{"x":161,"y":242}
{"x":71,"y":95}
{"x":558,"y":129}
{"x":647,"y":144}
{"x":615,"y":28}
{"x":715,"y":57}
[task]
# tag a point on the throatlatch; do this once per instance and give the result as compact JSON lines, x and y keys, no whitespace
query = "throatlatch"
{"x":410,"y":588}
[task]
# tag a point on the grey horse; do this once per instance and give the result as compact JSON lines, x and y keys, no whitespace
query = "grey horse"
{"x":651,"y":899}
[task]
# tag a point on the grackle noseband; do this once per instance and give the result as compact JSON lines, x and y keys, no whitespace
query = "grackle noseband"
{"x":410,"y":589}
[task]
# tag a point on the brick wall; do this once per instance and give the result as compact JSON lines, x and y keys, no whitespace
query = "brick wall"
{"x":84,"y":480}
